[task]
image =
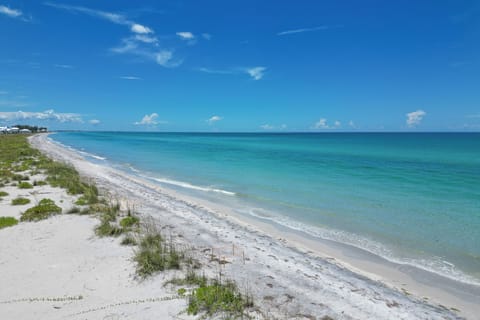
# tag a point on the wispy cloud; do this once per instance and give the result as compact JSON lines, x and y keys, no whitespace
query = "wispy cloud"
{"x":13,"y":13}
{"x":207,"y":36}
{"x":149,"y":120}
{"x":186,"y":35}
{"x":63,"y":66}
{"x":213,"y":71}
{"x":214,"y":119}
{"x":94,"y":122}
{"x":130,"y":78}
{"x":141,"y":43}
{"x":45,"y":115}
{"x":269,"y":127}
{"x":352,"y":124}
{"x":256,"y":73}
{"x":415,"y":118}
{"x":322,"y":123}
{"x":302,"y":30}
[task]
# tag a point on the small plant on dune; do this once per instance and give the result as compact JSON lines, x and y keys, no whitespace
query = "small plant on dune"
{"x":20,"y":201}
{"x":19,"y":177}
{"x":190,"y":279}
{"x":44,"y":209}
{"x":25,"y":185}
{"x":107,"y":228}
{"x":130,"y":221}
{"x":216,"y":298}
{"x":7,"y":222}
{"x":155,"y":254}
{"x":129,"y":240}
{"x":3,"y":194}
{"x":39,"y":183}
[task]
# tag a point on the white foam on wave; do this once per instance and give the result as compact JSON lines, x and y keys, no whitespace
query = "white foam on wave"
{"x":434,"y":264}
{"x":91,"y":155}
{"x":187,"y":185}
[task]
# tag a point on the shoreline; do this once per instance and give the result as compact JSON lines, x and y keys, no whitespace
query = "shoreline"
{"x":371,"y":277}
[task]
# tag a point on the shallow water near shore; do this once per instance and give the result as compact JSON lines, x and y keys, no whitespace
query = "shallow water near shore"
{"x":409,"y":198}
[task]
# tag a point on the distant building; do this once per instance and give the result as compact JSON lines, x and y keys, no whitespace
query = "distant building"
{"x":25,"y":131}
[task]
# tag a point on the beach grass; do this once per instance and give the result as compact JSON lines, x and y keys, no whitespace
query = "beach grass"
{"x":44,"y":209}
{"x":20,"y":201}
{"x":3,"y":194}
{"x":218,"y":298}
{"x":25,"y":185}
{"x":7,"y":222}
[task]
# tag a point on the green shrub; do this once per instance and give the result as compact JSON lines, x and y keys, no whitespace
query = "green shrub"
{"x":25,"y":185}
{"x":44,"y":209}
{"x":3,"y":194}
{"x":155,"y":255}
{"x":39,"y":183}
{"x":107,"y":229}
{"x":81,"y":201}
{"x":218,"y":298}
{"x":7,"y":222}
{"x":20,"y":201}
{"x":129,"y":222}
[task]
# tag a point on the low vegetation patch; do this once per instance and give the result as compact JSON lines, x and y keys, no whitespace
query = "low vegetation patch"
{"x":218,"y":298}
{"x":107,"y":229}
{"x":130,"y":222}
{"x":44,"y":209}
{"x":129,"y":240}
{"x":155,"y":254}
{"x":20,"y":201}
{"x":25,"y":185}
{"x":3,"y":194}
{"x":7,"y":222}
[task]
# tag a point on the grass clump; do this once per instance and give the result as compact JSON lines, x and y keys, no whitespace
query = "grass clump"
{"x":129,"y":240}
{"x":191,"y":279}
{"x":25,"y":185}
{"x":7,"y":222}
{"x":39,"y":183}
{"x":130,"y":221}
{"x":3,"y":194}
{"x":20,"y":201}
{"x":155,"y":254}
{"x":107,"y":229}
{"x":216,"y":298}
{"x":44,"y":209}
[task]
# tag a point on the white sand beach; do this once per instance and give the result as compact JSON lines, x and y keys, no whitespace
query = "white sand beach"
{"x":289,"y":276}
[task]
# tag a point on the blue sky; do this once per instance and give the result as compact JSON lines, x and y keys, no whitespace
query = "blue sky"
{"x":241,"y":65}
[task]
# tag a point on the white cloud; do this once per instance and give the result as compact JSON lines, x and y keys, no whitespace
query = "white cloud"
{"x":45,"y":115}
{"x":213,"y":71}
{"x":272,"y":127}
{"x":145,"y":38}
{"x":256,"y":73}
{"x":321,"y":124}
{"x":10,"y":12}
{"x":301,"y":30}
{"x":214,"y":119}
{"x":186,"y":35}
{"x":206,"y":36}
{"x":94,"y":122}
{"x":138,"y":28}
{"x":130,"y":78}
{"x":63,"y":66}
{"x":352,"y":124}
{"x":415,"y":118}
{"x":165,"y":59}
{"x":337,"y":123}
{"x":267,"y":126}
{"x":149,"y":120}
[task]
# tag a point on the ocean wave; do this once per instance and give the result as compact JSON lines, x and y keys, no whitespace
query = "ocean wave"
{"x":187,"y":185}
{"x":434,"y":264}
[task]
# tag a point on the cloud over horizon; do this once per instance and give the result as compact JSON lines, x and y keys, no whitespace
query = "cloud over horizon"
{"x":415,"y":118}
{"x":214,"y":119}
{"x":149,"y":120}
{"x":45,"y":115}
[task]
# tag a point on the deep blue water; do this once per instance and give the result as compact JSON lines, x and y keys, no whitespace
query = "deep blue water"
{"x":409,"y":197}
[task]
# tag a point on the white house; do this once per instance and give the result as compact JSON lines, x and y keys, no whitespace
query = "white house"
{"x":25,"y":131}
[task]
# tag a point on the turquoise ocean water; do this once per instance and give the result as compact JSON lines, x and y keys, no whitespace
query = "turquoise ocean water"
{"x":409,"y":197}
